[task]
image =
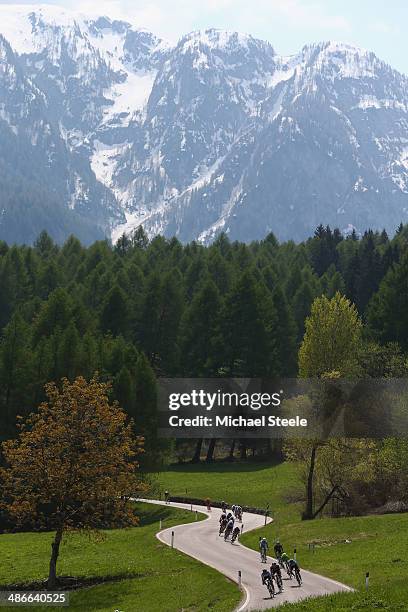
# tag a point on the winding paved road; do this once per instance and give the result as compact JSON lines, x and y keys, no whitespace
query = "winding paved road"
{"x":201,"y":541}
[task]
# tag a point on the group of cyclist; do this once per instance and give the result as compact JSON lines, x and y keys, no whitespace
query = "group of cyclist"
{"x":270,"y":576}
{"x":283,"y":561}
{"x":227,"y":522}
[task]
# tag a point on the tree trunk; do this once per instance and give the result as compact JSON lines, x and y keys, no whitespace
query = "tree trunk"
{"x":326,"y":501}
{"x":269,"y":449}
{"x":308,"y":513}
{"x":52,"y":576}
{"x":197,"y":453}
{"x":243,"y":450}
{"x":232,"y":450}
{"x":210,"y":451}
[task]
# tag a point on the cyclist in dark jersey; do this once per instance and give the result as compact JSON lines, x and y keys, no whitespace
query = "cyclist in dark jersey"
{"x":277,"y":574}
{"x":278,"y":548}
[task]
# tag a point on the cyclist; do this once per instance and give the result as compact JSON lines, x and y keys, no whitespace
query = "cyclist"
{"x":224,"y":506}
{"x":233,"y":509}
{"x":284,"y":558}
{"x":239,"y":513}
{"x":278,"y":548}
{"x":266,"y":579}
{"x":235,"y":534}
{"x":294,"y":570}
{"x":223,"y":523}
{"x":263,"y":547}
{"x":276,"y":573}
{"x":228,"y":529}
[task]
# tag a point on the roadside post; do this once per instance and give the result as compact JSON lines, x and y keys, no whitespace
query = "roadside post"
{"x":242,"y":528}
{"x":191,"y":507}
{"x":367,"y":580}
{"x":160,"y":524}
{"x":294,"y":554}
{"x":196,"y":515}
{"x":239,"y":578}
{"x":172,"y":539}
{"x":266,"y":512}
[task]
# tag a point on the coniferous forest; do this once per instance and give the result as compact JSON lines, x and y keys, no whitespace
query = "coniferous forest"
{"x":142,"y":309}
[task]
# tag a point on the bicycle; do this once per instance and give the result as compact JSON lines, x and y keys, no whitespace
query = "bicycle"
{"x":298,"y":576}
{"x":279,"y":582}
{"x":270,"y":587}
{"x":227,"y":534}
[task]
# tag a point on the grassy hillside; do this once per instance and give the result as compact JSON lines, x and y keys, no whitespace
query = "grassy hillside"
{"x":147,"y":576}
{"x":345,"y":549}
{"x":254,"y":484}
{"x":143,"y":574}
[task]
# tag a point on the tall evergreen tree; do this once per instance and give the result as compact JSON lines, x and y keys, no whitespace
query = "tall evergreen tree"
{"x":16,"y":373}
{"x":387,"y":313}
{"x":199,"y":332}
{"x":285,"y":332}
{"x":248,"y":330}
{"x":115,"y":312}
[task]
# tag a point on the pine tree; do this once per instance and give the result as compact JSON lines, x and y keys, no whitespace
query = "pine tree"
{"x":16,"y":372}
{"x":55,"y":314}
{"x":199,"y":332}
{"x":123,"y":389}
{"x":220,"y":272}
{"x":387,"y":313}
{"x":248,"y":330}
{"x":285,"y":331}
{"x":69,"y":353}
{"x":115,"y":312}
{"x":161,"y":313}
{"x":370,"y":272}
{"x":139,"y":238}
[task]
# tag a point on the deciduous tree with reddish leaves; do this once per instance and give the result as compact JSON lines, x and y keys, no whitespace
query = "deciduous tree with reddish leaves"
{"x":74,"y":465}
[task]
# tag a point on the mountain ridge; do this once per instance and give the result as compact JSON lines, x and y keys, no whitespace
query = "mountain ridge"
{"x":215,"y":133}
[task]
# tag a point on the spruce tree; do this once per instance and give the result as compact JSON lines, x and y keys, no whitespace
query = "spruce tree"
{"x":115,"y":312}
{"x":248,"y":330}
{"x":199,"y":332}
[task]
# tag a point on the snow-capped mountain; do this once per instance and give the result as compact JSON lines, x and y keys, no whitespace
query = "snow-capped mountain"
{"x":215,"y":133}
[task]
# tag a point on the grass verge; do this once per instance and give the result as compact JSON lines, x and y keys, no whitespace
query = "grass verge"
{"x":145,"y":575}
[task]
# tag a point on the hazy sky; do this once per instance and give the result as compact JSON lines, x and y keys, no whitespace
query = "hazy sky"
{"x":378,"y":25}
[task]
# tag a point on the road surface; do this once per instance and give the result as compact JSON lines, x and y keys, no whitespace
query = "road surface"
{"x":201,"y":541}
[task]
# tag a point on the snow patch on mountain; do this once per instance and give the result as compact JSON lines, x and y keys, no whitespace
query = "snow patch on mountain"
{"x":129,"y":96}
{"x":18,"y":24}
{"x":215,"y":39}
